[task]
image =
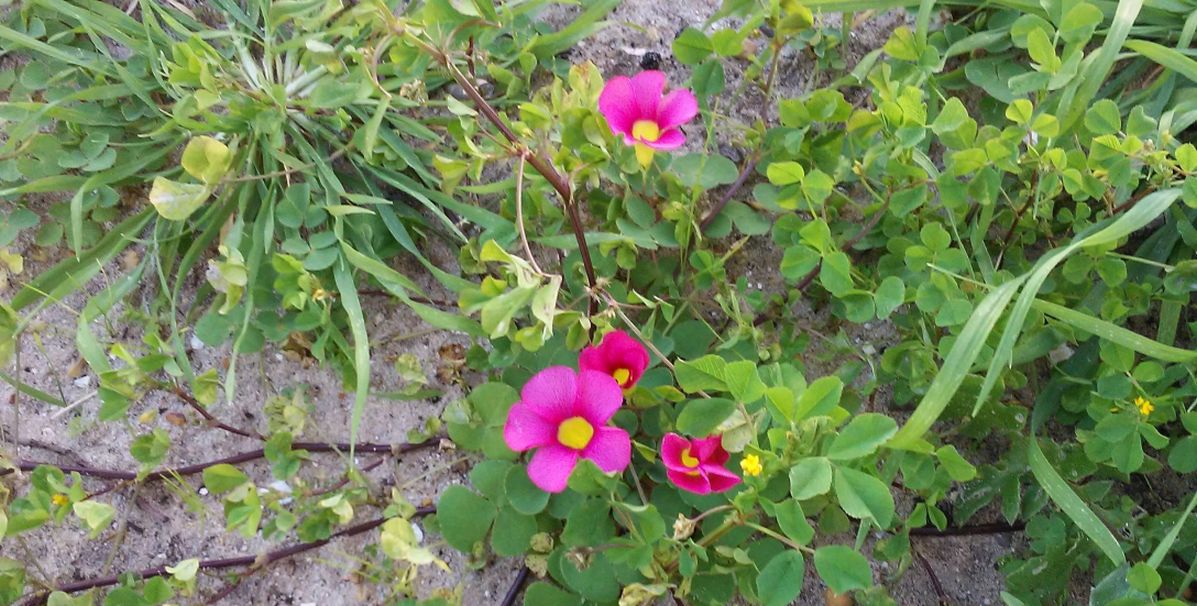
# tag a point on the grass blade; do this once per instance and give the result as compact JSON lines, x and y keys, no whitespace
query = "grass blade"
{"x":1167,"y":57}
{"x":361,"y":347}
{"x":1067,"y":500}
{"x":956,"y":365}
{"x":1116,"y":334}
{"x":1078,"y":95}
{"x":1150,"y":207}
{"x":1161,"y":550}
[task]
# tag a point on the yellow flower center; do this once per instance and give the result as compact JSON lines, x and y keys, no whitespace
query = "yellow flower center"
{"x":751,"y":465}
{"x":60,"y":499}
{"x":688,"y":460}
{"x":575,"y":433}
{"x":646,"y":130}
{"x":621,"y":376}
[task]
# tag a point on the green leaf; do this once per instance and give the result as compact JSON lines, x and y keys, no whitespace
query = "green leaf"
{"x":1020,"y":111}
{"x":1103,"y":118}
{"x":700,"y":417}
{"x":957,"y":467}
{"x":1078,"y":95}
{"x":792,"y":521}
{"x":707,"y":372}
{"x":524,"y":496}
{"x":810,"y":477}
{"x":95,"y":515}
{"x":707,"y":78}
{"x":464,"y":517}
{"x":843,"y":568}
{"x":692,"y":46}
{"x":513,"y":532}
{"x":744,"y":381}
{"x":1072,"y":505}
{"x":863,"y":496}
{"x":206,"y":159}
{"x":1079,"y":22}
{"x":889,"y":296}
{"x":863,"y":435}
{"x":780,"y":581}
{"x":222,"y":478}
{"x":1144,"y":578}
{"x":785,"y":173}
{"x":819,"y":398}
{"x":541,"y":593}
{"x":176,"y":201}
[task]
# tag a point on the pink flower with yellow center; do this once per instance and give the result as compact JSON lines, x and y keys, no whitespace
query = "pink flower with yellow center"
{"x":648,"y":118}
{"x":697,"y":465}
{"x":618,"y":355}
{"x":563,"y":415}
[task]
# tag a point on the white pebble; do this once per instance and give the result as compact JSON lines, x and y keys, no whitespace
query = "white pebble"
{"x":83,"y":381}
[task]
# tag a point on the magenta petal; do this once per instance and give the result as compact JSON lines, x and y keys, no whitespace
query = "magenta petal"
{"x":669,"y":140}
{"x":672,"y":446}
{"x":721,"y":479}
{"x":618,"y":105}
{"x":525,"y":429}
{"x":599,"y":397}
{"x":550,"y":467}
{"x":676,"y":109}
{"x":647,"y":87}
{"x":690,"y":483}
{"x":625,"y":351}
{"x":551,"y":393}
{"x":592,"y":358}
{"x":708,"y":450}
{"x":610,"y":449}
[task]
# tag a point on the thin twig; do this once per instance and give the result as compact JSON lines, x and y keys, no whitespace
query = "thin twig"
{"x":519,"y":211}
{"x":939,"y":592}
{"x":727,"y":195}
{"x":244,"y":457}
{"x":250,"y":561}
{"x":513,"y":592}
{"x":212,"y":420}
{"x":975,"y":529}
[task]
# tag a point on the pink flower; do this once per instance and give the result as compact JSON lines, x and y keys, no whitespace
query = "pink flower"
{"x":648,"y":119}
{"x":564,"y":416}
{"x":619,"y":355}
{"x":697,"y":465}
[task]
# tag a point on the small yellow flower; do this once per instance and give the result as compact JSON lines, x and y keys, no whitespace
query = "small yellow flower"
{"x":60,"y":499}
{"x":320,"y":295}
{"x":1144,"y":405}
{"x":751,"y":465}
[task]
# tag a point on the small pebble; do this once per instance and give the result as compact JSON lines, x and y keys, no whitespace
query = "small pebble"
{"x":83,"y":381}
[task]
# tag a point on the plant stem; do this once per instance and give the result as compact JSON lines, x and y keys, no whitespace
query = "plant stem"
{"x":251,"y":455}
{"x":513,"y":592}
{"x":250,"y":561}
{"x":727,"y":195}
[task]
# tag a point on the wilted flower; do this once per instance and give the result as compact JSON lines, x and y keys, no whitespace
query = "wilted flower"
{"x":648,"y":119}
{"x":564,"y":414}
{"x":619,"y":355}
{"x":697,"y":465}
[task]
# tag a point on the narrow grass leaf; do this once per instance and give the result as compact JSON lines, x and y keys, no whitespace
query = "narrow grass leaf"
{"x":1067,"y":500}
{"x":1167,"y":57}
{"x":347,"y":290}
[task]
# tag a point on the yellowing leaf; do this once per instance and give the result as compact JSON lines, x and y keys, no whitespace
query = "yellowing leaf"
{"x":206,"y":159}
{"x":176,"y":201}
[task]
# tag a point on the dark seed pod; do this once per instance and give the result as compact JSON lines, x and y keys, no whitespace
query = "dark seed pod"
{"x":767,"y":31}
{"x":650,"y":60}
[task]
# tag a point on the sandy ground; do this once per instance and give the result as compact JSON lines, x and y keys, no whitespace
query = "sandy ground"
{"x":155,"y":530}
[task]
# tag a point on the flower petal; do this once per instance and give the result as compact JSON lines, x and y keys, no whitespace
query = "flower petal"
{"x":599,"y":396}
{"x":551,"y":393}
{"x":610,"y":449}
{"x":696,"y":483}
{"x":709,"y":450}
{"x":672,"y":446}
{"x":525,"y":429}
{"x":676,"y":109}
{"x":593,"y":357}
{"x":647,"y":87}
{"x":669,"y":140}
{"x":550,"y":467}
{"x":618,"y":105}
{"x":721,"y":479}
